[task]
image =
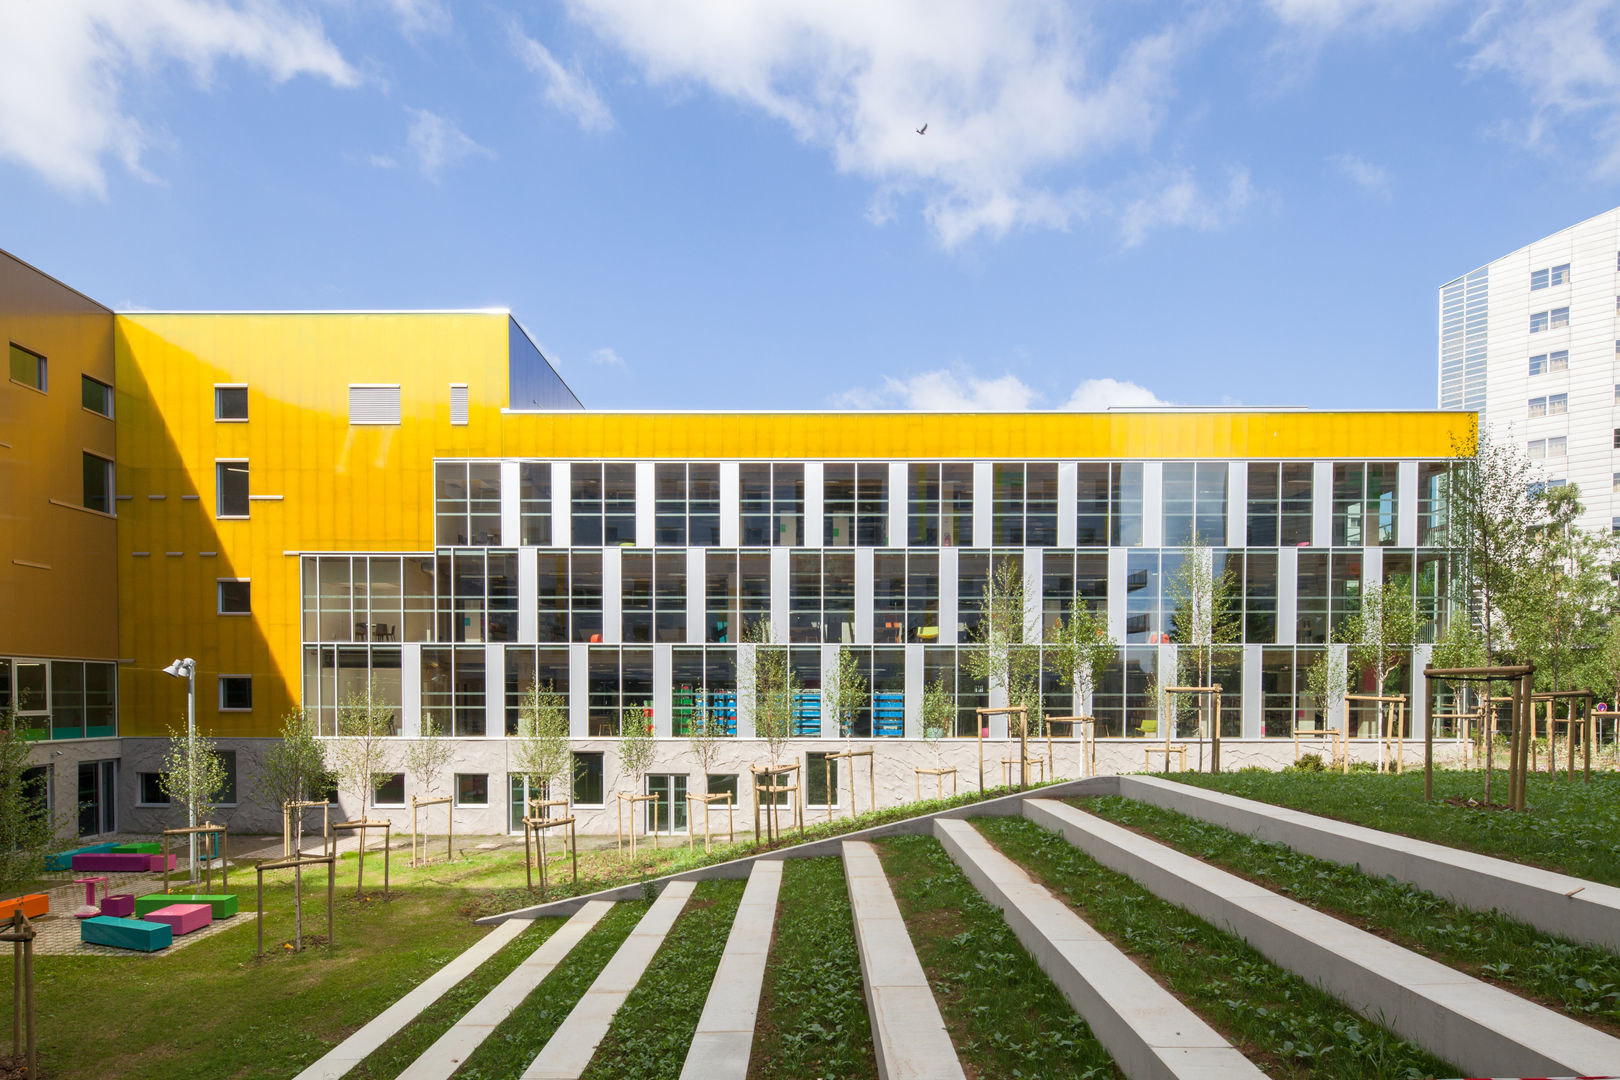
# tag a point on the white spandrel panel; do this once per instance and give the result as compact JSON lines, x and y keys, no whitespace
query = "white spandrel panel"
{"x":1287,"y":594}
{"x":1322,"y":504}
{"x":1251,"y":692}
{"x":898,"y":496}
{"x":949,"y":565}
{"x":814,"y":502}
{"x":410,"y":690}
{"x":528,"y":593}
{"x":1153,"y":504}
{"x":730,"y":504}
{"x":494,"y":691}
{"x":663,"y":660}
{"x":1068,"y":481}
{"x":579,"y":680}
{"x":1116,"y":592}
{"x":1406,"y":504}
{"x":511,"y":530}
{"x":984,"y":490}
{"x":561,"y":505}
{"x":1237,"y":504}
{"x":696,"y":583}
{"x":781,"y":582}
{"x":646,"y":504}
{"x":864,"y":577}
{"x":612,"y":596}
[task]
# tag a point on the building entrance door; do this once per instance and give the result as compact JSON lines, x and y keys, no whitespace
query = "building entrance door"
{"x":667,"y":813}
{"x":98,"y":797}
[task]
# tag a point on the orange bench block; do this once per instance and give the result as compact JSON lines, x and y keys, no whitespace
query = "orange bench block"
{"x":33,"y":906}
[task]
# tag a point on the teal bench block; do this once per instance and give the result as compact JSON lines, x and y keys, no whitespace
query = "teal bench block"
{"x":63,"y":860}
{"x":126,"y":933}
{"x":224,"y":905}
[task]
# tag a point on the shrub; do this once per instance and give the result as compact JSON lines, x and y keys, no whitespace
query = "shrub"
{"x":1308,"y":763}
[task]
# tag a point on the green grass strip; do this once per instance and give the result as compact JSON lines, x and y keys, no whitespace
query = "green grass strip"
{"x":392,"y":1057}
{"x":1571,"y":827}
{"x":653,"y":1029}
{"x":1582,"y":980}
{"x":518,"y":1039}
{"x":812,"y":1016}
{"x":1004,"y":1015}
{"x":1284,"y":1025}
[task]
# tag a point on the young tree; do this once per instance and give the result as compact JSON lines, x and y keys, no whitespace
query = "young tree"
{"x":1080,"y":649}
{"x":1560,"y":612}
{"x":704,"y":735}
{"x":192,"y":775}
{"x":361,"y":755}
{"x":1459,"y":646}
{"x":427,"y":756}
{"x":1490,"y":520}
{"x":772,"y":686}
{"x":636,"y":749}
{"x":1381,"y":635}
{"x":1206,"y":613}
{"x":1004,"y":634}
{"x":293,"y":769}
{"x":938,"y":716}
{"x":542,"y":752}
{"x":27,"y":833}
{"x":1326,"y":682}
{"x":843,"y":701}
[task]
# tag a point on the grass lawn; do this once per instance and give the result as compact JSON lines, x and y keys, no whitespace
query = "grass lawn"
{"x":1004,"y":1015}
{"x":1287,"y":1027}
{"x":1581,"y":980}
{"x":1566,"y":826}
{"x":812,"y":1013}
{"x":653,"y":1029}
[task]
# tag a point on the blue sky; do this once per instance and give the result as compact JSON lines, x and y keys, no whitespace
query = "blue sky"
{"x":725,"y":205}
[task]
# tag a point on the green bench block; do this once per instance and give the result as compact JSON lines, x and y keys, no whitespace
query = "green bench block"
{"x":145,"y":848}
{"x":224,"y":905}
{"x":126,"y":933}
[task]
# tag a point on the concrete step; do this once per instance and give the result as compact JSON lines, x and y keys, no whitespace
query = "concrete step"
{"x":571,"y":1047}
{"x":908,"y":1032}
{"x":725,"y":1032}
{"x":1483,"y":1029}
{"x":1557,"y":904}
{"x":357,"y":1047}
{"x":1149,"y":1032}
{"x":456,"y":1045}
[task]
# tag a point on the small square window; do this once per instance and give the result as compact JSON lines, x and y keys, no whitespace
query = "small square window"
{"x":1559,"y":274}
{"x":1559,"y":317}
{"x":236,"y":693}
{"x":1558,"y":447}
{"x":231,"y":489}
{"x":1538,"y":364}
{"x":588,"y":779}
{"x":723,"y":784}
{"x":1538,"y":406}
{"x":1617,"y":482}
{"x":235,"y":597}
{"x":1538,"y":447}
{"x":152,"y":793}
{"x":96,"y":396}
{"x":1538,"y":280}
{"x":28,"y":368}
{"x":1557,"y":404}
{"x":230,"y":403}
{"x":1617,"y":438}
{"x":1538,"y":322}
{"x":390,"y":791}
{"x":472,"y":789}
{"x":1558,"y":361}
{"x":98,"y":484}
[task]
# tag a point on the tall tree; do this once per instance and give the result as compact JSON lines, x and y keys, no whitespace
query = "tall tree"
{"x":1559,"y":613}
{"x":1490,"y":521}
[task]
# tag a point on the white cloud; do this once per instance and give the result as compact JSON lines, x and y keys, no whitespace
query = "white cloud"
{"x":418,"y":17}
{"x":568,"y":92}
{"x":606,"y":357}
{"x":1178,"y":200}
{"x":438,"y":143}
{"x":946,"y":390}
{"x":1094,"y":395}
{"x":1014,"y":94}
{"x":1370,"y":178}
{"x":1320,"y":18}
{"x":65,"y":67}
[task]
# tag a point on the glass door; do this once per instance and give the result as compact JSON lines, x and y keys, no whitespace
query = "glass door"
{"x":98,"y":801}
{"x":667,"y":813}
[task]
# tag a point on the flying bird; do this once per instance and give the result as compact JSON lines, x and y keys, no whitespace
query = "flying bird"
{"x":923,"y":130}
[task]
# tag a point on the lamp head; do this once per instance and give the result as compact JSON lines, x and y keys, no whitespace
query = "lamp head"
{"x":181,"y":669}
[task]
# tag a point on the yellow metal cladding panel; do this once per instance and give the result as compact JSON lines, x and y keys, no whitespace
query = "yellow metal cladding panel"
{"x":318,"y":483}
{"x":881,"y":436}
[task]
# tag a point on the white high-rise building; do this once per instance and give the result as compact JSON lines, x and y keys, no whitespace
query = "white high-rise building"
{"x":1532,"y":341}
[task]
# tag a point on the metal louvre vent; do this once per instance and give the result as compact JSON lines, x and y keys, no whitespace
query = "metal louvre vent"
{"x":372,"y":404}
{"x":458,"y":403}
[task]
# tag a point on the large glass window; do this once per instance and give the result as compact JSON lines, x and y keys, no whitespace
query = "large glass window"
{"x":704,"y":683}
{"x":98,"y":483}
{"x":603,"y":505}
{"x":1280,"y":504}
{"x":362,"y":598}
{"x":1434,"y":488}
{"x":1364,"y":504}
{"x":1328,"y":592}
{"x":973,"y":575}
{"x":855,"y":505}
{"x":230,"y":403}
{"x":949,"y":665}
{"x":585,"y":594}
{"x":534,"y":503}
{"x":771,"y":504}
{"x":467,"y":503}
{"x":653,"y":597}
{"x":528,"y":666}
{"x":939,"y":501}
{"x":477,"y":596}
{"x":686,"y":504}
{"x":231,"y":489}
{"x":1068,"y":577}
{"x":453,"y":689}
{"x":885,"y":712}
{"x":1194,"y":502}
{"x":737,"y":593}
{"x":1125,"y":504}
{"x":1259,"y":596}
{"x":335,"y":675}
{"x":905,"y":597}
{"x":1142,"y":589}
{"x":619,"y":679}
{"x":1024,"y":504}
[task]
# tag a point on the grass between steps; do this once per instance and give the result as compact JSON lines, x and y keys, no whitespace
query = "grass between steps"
{"x":517,"y":1040}
{"x":1568,"y":826}
{"x":391,"y":1058}
{"x":812,"y":1015}
{"x":653,"y":1029}
{"x":1284,"y":1025}
{"x":1005,"y":1016}
{"x":1582,"y":980}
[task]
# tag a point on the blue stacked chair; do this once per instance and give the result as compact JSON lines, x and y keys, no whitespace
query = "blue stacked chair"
{"x":806,"y":714}
{"x":888,"y":715}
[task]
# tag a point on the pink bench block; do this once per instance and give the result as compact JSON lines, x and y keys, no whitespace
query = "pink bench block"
{"x":106,"y":862}
{"x":183,"y":918}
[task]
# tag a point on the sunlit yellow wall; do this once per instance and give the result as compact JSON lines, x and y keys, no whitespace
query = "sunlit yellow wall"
{"x":58,"y":591}
{"x":348,"y":488}
{"x":341,"y":488}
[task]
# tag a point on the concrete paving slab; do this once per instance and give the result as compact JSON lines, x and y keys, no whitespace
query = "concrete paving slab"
{"x":908,"y":1032}
{"x":1557,"y":904}
{"x":571,"y":1047}
{"x":1149,"y":1032}
{"x":725,"y":1032}
{"x":357,"y":1047}
{"x":452,"y":1048}
{"x":1434,"y":1006}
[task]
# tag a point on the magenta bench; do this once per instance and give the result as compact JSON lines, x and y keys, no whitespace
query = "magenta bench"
{"x":183,"y":918}
{"x":107,"y":861}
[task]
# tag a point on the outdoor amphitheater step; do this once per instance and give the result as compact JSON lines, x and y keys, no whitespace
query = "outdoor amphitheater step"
{"x":725,"y":1032}
{"x":1557,"y":904}
{"x":908,"y":1032}
{"x":571,"y":1047}
{"x":456,"y":1045}
{"x":1485,"y":1030}
{"x":1149,"y":1032}
{"x":357,"y":1047}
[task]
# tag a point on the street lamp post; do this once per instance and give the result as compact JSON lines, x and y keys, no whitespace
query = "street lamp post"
{"x":187,"y":669}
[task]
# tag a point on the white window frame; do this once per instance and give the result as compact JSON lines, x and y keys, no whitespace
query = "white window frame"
{"x":220,"y":693}
{"x":1544,"y":317}
{"x":1558,"y":275}
{"x":388,"y":805}
{"x":230,"y":461}
{"x":219,"y":595}
{"x":1562,"y":444}
{"x":1535,"y":404}
{"x":455,"y":788}
{"x":139,"y":801}
{"x":1554,"y":315}
{"x":1558,"y":404}
{"x":45,"y":710}
{"x":218,"y":419}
